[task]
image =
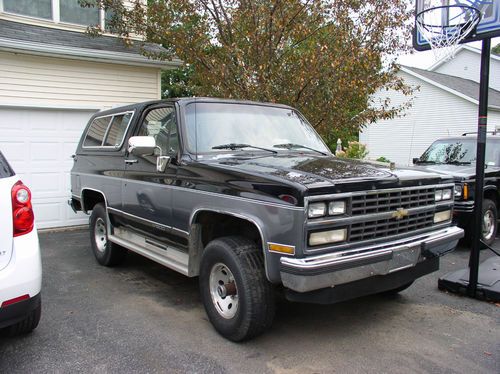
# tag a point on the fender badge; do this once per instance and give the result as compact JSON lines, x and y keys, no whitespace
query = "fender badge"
{"x":400,"y":213}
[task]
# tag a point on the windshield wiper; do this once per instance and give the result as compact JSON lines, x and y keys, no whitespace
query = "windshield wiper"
{"x":458,"y":162}
{"x":297,"y":146}
{"x":234,"y":146}
{"x":426,"y":162}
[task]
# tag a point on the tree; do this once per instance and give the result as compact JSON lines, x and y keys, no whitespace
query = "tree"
{"x":496,"y":50}
{"x":323,"y":57}
{"x":177,"y":82}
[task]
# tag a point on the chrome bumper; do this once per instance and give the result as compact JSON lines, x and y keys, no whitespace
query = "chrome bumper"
{"x":316,"y":272}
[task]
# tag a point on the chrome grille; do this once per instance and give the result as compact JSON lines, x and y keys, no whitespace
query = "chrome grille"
{"x":381,"y":228}
{"x":379,"y":202}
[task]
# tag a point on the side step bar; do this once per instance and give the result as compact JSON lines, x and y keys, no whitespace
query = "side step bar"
{"x":168,"y":256}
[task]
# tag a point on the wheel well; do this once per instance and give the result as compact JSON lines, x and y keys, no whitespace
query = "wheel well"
{"x":215,"y":225}
{"x":90,"y":198}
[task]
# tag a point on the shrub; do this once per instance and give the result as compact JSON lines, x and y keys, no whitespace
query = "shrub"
{"x":383,"y":159}
{"x":354,"y":150}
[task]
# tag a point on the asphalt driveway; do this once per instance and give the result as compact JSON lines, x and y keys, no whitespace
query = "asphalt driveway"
{"x":141,"y":317}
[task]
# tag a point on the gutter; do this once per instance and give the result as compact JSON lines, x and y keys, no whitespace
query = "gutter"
{"x":96,"y":55}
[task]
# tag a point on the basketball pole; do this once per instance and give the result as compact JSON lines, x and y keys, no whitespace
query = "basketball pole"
{"x":480,"y":160}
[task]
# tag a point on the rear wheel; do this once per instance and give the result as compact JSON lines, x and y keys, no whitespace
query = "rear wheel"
{"x":26,"y":325}
{"x":238,"y":299}
{"x":106,"y":252}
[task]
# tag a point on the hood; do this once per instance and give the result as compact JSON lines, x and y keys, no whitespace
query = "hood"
{"x":459,"y":172}
{"x":314,"y":171}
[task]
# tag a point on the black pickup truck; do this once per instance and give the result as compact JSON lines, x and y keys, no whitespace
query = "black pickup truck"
{"x":247,"y":196}
{"x":456,"y":157}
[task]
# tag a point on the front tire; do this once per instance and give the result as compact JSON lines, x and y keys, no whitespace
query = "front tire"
{"x":105,"y":252}
{"x":238,"y":299}
{"x":490,"y":221}
{"x":489,"y":224}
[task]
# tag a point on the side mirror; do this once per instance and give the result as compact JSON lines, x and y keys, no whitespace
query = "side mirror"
{"x":141,"y":145}
{"x":416,"y":160}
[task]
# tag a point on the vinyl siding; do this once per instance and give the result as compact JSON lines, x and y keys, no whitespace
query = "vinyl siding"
{"x":435,"y":113}
{"x":467,"y":64}
{"x":34,"y":80}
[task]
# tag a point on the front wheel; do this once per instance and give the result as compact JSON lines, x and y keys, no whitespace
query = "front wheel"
{"x":490,"y":223}
{"x":105,"y":252}
{"x":238,"y":299}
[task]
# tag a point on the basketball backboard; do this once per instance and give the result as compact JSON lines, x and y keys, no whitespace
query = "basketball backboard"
{"x":488,"y":26}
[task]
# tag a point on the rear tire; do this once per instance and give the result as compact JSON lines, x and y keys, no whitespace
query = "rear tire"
{"x":237,"y":296}
{"x":28,"y":324}
{"x":105,"y":252}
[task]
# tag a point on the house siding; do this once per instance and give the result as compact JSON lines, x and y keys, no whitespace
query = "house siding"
{"x":435,"y":113}
{"x":467,"y":65}
{"x":55,"y":82}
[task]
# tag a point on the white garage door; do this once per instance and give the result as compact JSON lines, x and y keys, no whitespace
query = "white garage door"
{"x":39,"y":143}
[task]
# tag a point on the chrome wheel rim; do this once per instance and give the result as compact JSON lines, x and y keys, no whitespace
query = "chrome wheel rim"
{"x":100,"y":236}
{"x":223,"y":290}
{"x":488,"y":224}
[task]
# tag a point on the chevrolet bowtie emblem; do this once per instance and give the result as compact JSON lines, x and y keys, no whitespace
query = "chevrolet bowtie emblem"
{"x":400,"y":213}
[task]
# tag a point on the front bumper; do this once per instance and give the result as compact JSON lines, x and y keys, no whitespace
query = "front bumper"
{"x":316,"y":272}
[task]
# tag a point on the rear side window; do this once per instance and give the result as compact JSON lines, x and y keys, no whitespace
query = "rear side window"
{"x":96,"y":132}
{"x":108,"y":131}
{"x":5,"y":169}
{"x":117,"y":129}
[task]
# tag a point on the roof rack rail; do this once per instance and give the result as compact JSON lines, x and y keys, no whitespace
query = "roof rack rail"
{"x":494,"y":132}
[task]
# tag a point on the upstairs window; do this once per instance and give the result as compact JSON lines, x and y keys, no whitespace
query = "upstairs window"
{"x":65,"y":11}
{"x":38,"y":8}
{"x":72,"y":12}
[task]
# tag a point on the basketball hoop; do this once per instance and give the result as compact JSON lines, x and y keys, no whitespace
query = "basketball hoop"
{"x":444,"y":27}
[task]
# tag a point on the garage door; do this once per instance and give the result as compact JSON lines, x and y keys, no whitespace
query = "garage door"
{"x":39,"y":143}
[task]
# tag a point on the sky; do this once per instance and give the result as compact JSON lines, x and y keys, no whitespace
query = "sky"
{"x":424,"y":60}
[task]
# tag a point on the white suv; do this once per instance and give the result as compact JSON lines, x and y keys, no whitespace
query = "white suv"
{"x":20,"y":262}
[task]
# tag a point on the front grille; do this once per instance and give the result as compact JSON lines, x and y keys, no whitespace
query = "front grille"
{"x":379,"y":202}
{"x":376,"y":229}
{"x":378,"y":215}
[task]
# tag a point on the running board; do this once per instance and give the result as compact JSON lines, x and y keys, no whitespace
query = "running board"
{"x":165,"y":255}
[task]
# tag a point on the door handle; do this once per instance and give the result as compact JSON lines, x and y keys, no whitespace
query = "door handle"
{"x":130,"y":162}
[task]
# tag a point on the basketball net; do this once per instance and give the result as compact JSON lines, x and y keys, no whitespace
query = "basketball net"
{"x":445,"y":26}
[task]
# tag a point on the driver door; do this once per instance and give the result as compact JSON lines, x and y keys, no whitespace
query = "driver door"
{"x":146,"y":192}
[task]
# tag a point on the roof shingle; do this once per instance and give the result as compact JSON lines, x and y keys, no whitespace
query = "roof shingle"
{"x":466,"y":87}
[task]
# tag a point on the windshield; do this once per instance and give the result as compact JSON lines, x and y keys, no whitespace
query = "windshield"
{"x":460,"y":152}
{"x":226,"y":125}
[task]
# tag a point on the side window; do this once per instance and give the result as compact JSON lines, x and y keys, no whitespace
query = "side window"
{"x":117,"y":129}
{"x":162,"y":125}
{"x":96,"y":132}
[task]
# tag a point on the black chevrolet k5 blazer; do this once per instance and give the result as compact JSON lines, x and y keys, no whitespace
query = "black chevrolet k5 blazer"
{"x":247,"y":196}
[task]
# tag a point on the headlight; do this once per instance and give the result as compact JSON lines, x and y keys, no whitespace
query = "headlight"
{"x":336,"y":208}
{"x":443,"y":194}
{"x":316,"y":210}
{"x":447,"y":194}
{"x":327,"y":237}
{"x":458,"y":190}
{"x":442,"y":216}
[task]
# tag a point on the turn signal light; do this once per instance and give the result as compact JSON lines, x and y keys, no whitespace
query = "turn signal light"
{"x":23,"y":218}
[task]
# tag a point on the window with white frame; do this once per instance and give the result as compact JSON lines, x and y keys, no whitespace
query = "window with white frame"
{"x":64,"y":11}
